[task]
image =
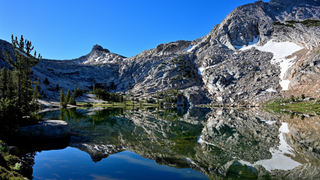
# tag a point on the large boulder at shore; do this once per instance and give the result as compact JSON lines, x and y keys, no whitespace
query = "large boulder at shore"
{"x":47,"y":129}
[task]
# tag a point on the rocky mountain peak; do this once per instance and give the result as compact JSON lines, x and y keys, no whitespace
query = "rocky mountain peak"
{"x":99,"y":55}
{"x":295,"y":2}
{"x":246,"y":58}
{"x":99,"y":48}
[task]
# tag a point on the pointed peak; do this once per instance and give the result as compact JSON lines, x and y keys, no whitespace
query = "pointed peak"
{"x":99,"y":48}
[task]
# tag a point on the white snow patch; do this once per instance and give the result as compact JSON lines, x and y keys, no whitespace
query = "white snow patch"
{"x":280,"y":51}
{"x":192,"y":48}
{"x":189,"y":161}
{"x":270,"y":122}
{"x":279,"y":159}
{"x":254,"y":42}
{"x":188,"y":48}
{"x":271,"y":90}
{"x":200,"y":70}
{"x":201,"y":141}
{"x":285,"y":84}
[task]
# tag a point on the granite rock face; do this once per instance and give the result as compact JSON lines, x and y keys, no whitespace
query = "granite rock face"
{"x":47,"y":129}
{"x":241,"y":135}
{"x":210,"y":69}
{"x":97,"y":151}
{"x":221,"y":143}
{"x":97,"y":56}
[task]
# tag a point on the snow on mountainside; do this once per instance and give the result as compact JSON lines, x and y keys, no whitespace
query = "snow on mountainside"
{"x":259,"y":51}
{"x":280,"y":51}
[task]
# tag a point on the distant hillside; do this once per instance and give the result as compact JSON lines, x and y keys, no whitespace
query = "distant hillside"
{"x":259,"y":51}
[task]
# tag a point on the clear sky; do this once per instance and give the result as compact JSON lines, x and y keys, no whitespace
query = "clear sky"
{"x":68,"y":29}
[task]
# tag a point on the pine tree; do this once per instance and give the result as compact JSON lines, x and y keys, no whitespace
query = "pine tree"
{"x":121,"y":98}
{"x":23,"y":61}
{"x":10,"y":93}
{"x":67,"y":98}
{"x":36,"y":94}
{"x":38,"y":84}
{"x":72,"y":101}
{"x":79,"y":92}
{"x":75,"y":93}
{"x":3,"y":82}
{"x":57,"y":86}
{"x":46,"y":81}
{"x":62,"y":98}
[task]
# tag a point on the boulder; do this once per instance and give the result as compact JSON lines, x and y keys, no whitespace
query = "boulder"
{"x":196,"y":95}
{"x":47,"y":129}
{"x":14,"y":150}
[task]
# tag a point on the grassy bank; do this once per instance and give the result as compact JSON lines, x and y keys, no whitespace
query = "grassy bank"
{"x":119,"y":104}
{"x":12,"y":167}
{"x":295,"y":104}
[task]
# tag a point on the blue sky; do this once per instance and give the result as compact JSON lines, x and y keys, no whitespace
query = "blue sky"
{"x":68,"y":29}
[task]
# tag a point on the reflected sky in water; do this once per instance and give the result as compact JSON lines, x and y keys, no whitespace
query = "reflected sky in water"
{"x":71,"y":163}
{"x":193,"y":143}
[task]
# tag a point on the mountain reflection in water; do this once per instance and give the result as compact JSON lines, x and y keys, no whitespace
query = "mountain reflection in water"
{"x":220,"y":143}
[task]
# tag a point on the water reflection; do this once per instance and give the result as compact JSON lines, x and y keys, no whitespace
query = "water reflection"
{"x":220,"y":143}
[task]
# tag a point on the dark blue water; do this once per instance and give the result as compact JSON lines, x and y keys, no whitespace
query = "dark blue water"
{"x":71,"y":163}
{"x":196,"y":143}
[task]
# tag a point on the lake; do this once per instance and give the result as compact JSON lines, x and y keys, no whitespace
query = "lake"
{"x":194,"y":143}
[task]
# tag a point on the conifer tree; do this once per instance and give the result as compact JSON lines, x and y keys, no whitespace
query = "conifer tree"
{"x":36,"y":94}
{"x":38,"y":84}
{"x":9,"y":93}
{"x":75,"y":93}
{"x":57,"y":86}
{"x":72,"y":101}
{"x":23,"y":61}
{"x":62,"y":98}
{"x":79,"y":91}
{"x":3,"y":82}
{"x":67,"y":99}
{"x":46,"y":81}
{"x":121,"y":98}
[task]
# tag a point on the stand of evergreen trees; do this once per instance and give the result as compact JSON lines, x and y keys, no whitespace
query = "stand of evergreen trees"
{"x":68,"y":99}
{"x":107,"y":96}
{"x":17,"y":97}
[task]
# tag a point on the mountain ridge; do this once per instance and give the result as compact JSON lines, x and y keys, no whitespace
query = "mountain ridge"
{"x":232,"y":64}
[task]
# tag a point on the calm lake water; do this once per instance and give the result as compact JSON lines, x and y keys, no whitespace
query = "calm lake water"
{"x":194,"y":143}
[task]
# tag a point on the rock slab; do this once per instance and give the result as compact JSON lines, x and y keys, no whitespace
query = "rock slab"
{"x":47,"y":129}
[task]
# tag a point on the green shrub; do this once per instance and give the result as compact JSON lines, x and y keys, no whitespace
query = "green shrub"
{"x":277,"y":23}
{"x":292,"y":98}
{"x":290,"y":25}
{"x":3,"y":147}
